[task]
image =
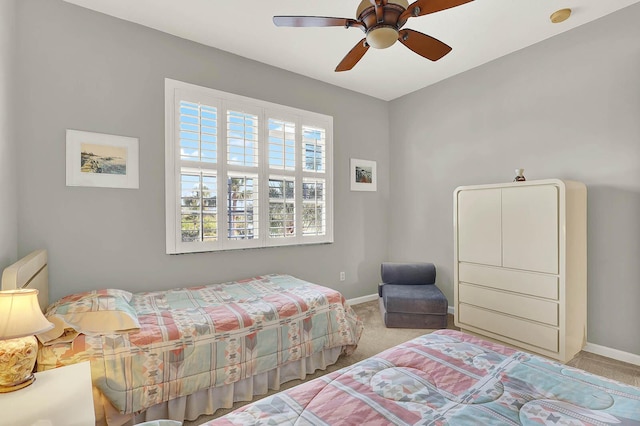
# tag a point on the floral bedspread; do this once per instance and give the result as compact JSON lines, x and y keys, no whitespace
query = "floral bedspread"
{"x":200,"y":337}
{"x":448,"y":378}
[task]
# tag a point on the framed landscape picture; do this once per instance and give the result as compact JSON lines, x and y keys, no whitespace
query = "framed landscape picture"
{"x":98,"y":159}
{"x":363,"y":175}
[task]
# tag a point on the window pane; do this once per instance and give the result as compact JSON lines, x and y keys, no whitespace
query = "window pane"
{"x":242,"y":139}
{"x":242,"y":207}
{"x":198,"y":132}
{"x":282,"y":212}
{"x":313,"y":145}
{"x":313,"y":207}
{"x":198,"y":207}
{"x":209,"y":208}
{"x":282,"y":145}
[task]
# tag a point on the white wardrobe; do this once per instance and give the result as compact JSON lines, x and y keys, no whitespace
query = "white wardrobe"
{"x":520,"y":273}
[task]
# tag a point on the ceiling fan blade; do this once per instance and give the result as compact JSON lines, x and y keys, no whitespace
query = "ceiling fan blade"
{"x":424,"y":7}
{"x":313,"y":21}
{"x":354,"y":55}
{"x":424,"y":45}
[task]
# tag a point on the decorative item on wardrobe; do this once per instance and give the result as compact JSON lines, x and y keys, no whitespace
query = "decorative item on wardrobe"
{"x":519,"y":176}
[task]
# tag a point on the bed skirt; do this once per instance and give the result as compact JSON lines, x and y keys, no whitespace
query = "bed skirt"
{"x":207,"y":401}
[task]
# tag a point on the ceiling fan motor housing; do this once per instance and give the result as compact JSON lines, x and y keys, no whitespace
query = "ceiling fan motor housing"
{"x":365,"y":4}
{"x":385,"y":33}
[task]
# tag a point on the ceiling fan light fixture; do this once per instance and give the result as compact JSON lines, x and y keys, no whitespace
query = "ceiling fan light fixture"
{"x":382,"y":37}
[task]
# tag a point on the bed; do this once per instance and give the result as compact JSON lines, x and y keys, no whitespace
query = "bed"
{"x":181,"y":353}
{"x":448,"y":377}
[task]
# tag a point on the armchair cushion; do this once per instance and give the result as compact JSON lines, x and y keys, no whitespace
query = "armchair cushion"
{"x":414,"y":299}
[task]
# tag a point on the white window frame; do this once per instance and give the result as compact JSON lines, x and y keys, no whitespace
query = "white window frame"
{"x":176,"y":91}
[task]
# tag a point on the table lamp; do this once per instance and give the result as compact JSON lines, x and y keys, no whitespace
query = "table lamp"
{"x":20,"y":319}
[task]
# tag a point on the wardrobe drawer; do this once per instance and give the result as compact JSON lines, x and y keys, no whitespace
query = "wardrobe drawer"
{"x":507,"y":279}
{"x":518,"y":329}
{"x":513,"y":304}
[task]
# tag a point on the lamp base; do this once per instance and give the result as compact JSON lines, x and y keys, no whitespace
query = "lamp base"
{"x":27,"y":382}
{"x":17,"y":359}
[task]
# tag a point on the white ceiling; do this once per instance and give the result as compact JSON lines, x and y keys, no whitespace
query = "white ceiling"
{"x":479,"y":32}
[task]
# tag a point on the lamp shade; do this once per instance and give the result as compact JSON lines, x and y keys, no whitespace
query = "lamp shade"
{"x":20,"y":314}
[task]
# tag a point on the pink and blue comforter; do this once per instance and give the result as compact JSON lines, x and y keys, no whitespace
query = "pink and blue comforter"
{"x":448,"y":378}
{"x":201,"y":337}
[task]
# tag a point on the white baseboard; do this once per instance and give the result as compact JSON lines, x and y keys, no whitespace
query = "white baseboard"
{"x":612,"y":353}
{"x":363,"y":299}
{"x":589,"y":347}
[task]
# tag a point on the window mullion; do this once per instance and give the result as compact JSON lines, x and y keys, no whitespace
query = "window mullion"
{"x":263,"y":176}
{"x":200,"y":207}
{"x":328,"y":181}
{"x":201,"y":181}
{"x":223,"y":177}
{"x":175,"y":158}
{"x":299,"y":178}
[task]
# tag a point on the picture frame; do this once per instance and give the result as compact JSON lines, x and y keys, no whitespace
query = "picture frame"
{"x":363,"y":175}
{"x":101,"y":160}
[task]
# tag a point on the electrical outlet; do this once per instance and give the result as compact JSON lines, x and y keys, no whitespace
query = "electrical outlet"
{"x":343,"y":276}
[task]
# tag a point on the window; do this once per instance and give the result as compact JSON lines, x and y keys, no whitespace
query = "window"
{"x":244,"y":173}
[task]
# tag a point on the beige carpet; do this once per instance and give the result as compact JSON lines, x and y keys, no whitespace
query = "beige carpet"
{"x":376,"y":338}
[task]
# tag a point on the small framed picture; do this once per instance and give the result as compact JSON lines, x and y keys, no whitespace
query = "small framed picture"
{"x":363,"y":175}
{"x":98,"y":159}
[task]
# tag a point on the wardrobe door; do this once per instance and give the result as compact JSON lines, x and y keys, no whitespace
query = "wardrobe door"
{"x":479,"y":226}
{"x":530,"y":228}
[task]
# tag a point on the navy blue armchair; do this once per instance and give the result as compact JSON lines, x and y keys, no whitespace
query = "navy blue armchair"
{"x":409,"y":297}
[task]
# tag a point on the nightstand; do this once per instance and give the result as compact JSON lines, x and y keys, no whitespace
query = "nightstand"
{"x":59,"y":397}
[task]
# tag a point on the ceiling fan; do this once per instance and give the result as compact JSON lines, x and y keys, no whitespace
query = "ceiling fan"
{"x":382,"y":21}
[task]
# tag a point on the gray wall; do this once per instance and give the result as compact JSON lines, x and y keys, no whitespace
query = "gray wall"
{"x":82,"y":70}
{"x":568,"y":108}
{"x":8,"y":180}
